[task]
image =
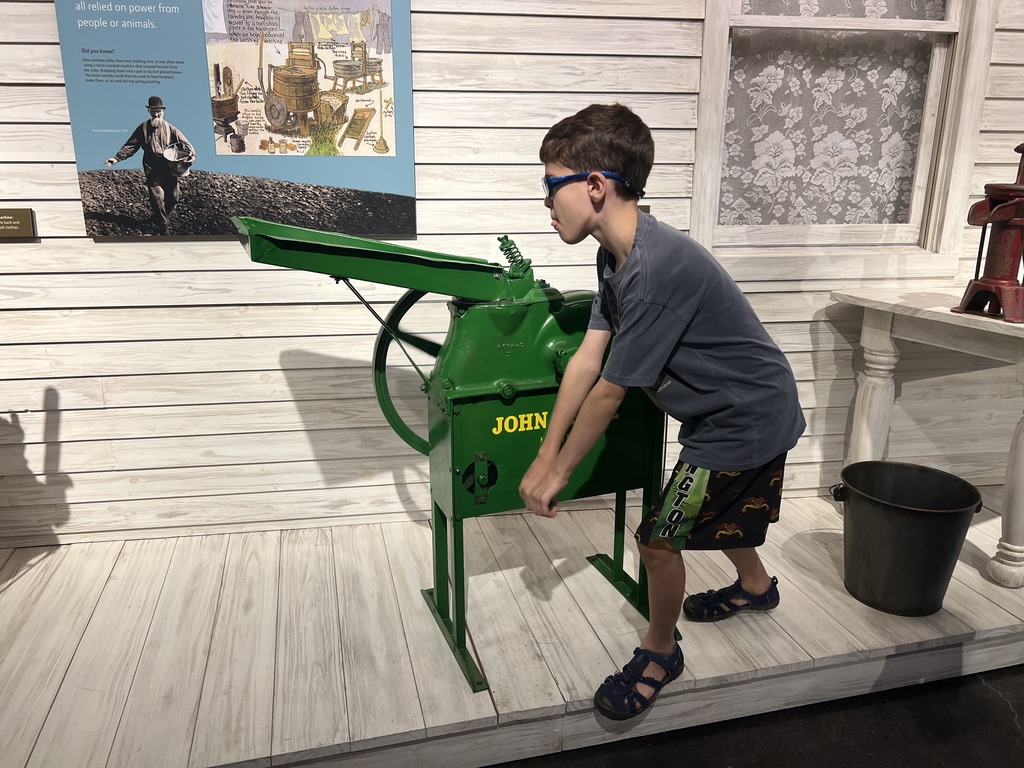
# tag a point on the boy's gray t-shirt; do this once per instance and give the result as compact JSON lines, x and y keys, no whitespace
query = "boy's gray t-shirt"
{"x":686,"y":334}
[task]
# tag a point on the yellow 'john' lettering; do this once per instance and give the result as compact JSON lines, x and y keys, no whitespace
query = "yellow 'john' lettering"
{"x":523,"y":422}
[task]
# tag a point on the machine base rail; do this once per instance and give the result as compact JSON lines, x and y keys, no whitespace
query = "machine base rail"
{"x":475,"y":678}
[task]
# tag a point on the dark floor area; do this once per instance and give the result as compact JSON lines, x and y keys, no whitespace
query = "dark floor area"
{"x":971,"y":721}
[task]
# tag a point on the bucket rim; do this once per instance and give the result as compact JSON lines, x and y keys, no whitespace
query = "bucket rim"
{"x":976,"y":505}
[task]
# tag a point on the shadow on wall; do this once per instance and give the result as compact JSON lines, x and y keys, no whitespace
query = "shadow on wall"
{"x":34,"y":505}
{"x":351,"y":441}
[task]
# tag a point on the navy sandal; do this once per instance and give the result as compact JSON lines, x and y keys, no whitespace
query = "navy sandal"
{"x":716,"y":604}
{"x":618,"y":699}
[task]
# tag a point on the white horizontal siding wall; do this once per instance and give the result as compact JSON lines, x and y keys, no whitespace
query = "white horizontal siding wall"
{"x":958,"y":412}
{"x":168,"y":387}
{"x":1002,"y":126}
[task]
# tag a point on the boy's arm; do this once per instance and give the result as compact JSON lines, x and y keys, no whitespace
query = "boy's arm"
{"x":583,"y":369}
{"x":591,"y":405}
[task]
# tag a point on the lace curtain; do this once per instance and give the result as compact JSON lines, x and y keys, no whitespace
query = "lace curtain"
{"x":823,"y":127}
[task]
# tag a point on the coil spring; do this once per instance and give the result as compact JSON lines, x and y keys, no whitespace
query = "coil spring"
{"x":511,"y":251}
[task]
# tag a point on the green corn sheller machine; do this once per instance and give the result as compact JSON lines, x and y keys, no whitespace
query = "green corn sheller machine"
{"x":489,"y":394}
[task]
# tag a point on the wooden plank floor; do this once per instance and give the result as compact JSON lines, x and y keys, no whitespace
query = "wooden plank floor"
{"x":315,"y":645}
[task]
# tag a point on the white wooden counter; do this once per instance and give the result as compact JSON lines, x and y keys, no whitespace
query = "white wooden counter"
{"x":894,"y":315}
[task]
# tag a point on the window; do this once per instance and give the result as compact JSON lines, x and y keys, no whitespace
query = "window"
{"x":832,"y":122}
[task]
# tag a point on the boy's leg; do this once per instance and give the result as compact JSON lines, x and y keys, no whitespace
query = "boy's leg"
{"x":753,"y":576}
{"x":748,"y":502}
{"x":666,"y":583}
{"x":658,"y":659}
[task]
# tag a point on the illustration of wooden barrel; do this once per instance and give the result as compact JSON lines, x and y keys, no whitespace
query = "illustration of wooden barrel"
{"x":374,"y":66}
{"x":224,"y":107}
{"x":348,"y":68}
{"x":298,"y":87}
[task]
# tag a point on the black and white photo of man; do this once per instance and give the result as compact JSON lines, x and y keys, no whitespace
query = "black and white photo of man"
{"x":166,"y":157}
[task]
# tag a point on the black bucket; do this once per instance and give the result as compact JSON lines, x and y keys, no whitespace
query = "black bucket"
{"x":903,"y":528}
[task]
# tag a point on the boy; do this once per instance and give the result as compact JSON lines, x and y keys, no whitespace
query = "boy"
{"x":685,"y":333}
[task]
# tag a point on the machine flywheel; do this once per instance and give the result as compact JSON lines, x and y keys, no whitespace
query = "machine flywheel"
{"x":392,"y":332}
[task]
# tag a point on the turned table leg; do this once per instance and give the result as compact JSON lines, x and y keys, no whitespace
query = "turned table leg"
{"x":1007,"y":567}
{"x":876,"y":390}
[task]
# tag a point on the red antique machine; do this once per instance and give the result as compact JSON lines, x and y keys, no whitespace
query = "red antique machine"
{"x":998,"y":293}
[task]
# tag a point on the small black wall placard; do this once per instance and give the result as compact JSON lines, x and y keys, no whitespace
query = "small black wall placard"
{"x":17,"y":223}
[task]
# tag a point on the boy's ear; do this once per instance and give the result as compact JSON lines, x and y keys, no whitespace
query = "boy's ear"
{"x":597,"y":186}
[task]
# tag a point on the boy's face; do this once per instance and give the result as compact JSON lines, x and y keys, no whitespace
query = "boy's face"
{"x":570,"y":205}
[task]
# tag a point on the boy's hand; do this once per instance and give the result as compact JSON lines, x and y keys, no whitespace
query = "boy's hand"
{"x":540,"y":487}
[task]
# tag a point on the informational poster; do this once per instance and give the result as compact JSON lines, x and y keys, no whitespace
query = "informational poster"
{"x":187,"y":113}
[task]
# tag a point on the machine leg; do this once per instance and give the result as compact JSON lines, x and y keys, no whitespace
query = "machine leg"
{"x":612,"y":569}
{"x":453,"y":628}
{"x":440,"y":530}
{"x":459,"y":584}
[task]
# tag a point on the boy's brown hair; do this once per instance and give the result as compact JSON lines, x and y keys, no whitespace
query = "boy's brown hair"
{"x":603,"y":137}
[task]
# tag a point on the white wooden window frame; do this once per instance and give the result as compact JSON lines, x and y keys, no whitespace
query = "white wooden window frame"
{"x":953,"y":106}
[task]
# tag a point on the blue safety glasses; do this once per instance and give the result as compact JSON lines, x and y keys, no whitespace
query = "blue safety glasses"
{"x":551,"y":183}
